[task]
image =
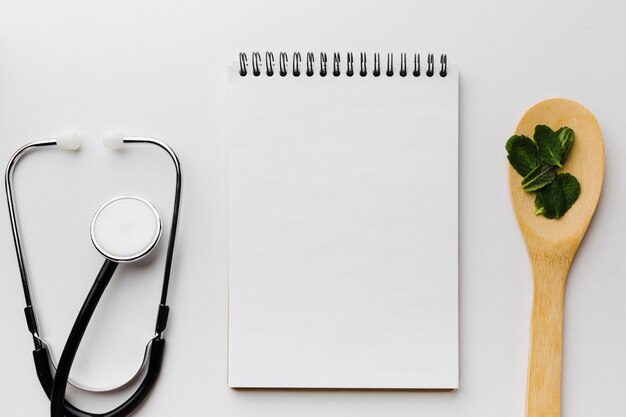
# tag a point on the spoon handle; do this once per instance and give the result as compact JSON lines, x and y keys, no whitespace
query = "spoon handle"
{"x":543,"y":395}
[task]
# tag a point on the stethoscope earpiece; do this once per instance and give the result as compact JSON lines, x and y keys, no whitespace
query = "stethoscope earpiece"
{"x":69,"y":141}
{"x":113,"y":140}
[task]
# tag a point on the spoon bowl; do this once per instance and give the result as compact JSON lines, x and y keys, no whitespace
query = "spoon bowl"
{"x":585,"y":161}
{"x":552,"y":243}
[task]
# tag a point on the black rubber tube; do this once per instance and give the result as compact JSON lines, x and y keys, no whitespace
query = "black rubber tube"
{"x":44,"y":372}
{"x":57,"y":399}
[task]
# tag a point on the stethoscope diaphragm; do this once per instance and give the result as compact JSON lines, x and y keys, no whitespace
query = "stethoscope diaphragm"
{"x":126,"y":228}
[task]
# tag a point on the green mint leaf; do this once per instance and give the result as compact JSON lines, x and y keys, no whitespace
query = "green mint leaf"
{"x":550,"y":201}
{"x":538,"y":178}
{"x":557,"y":197}
{"x":565,"y":135}
{"x":550,"y":149}
{"x":571,"y":189}
{"x":522,"y":154}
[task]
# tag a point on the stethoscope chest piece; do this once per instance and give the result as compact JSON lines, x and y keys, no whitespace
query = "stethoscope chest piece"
{"x":126,"y":228}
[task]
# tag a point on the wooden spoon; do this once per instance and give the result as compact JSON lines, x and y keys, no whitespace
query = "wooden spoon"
{"x":552,"y":244}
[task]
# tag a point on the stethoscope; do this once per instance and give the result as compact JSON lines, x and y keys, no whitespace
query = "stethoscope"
{"x":124,"y":229}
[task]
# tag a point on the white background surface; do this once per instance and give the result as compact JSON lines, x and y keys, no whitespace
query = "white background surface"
{"x":158,"y":68}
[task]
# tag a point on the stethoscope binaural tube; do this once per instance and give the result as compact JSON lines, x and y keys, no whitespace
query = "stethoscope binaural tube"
{"x":43,"y":362}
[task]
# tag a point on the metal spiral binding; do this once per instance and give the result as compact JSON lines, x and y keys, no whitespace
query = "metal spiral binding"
{"x":403,"y":64}
{"x":431,"y":65}
{"x":269,"y":64}
{"x":363,"y":71}
{"x":336,"y":62}
{"x":350,"y":63}
{"x":444,"y":65}
{"x":243,"y":64}
{"x":282,"y":64}
{"x":310,"y":60}
{"x":296,"y":64}
{"x":323,"y":70}
{"x":376,"y":71}
{"x":323,"y":64}
{"x":256,"y":58}
{"x":416,"y":68}
{"x":389,"y":72}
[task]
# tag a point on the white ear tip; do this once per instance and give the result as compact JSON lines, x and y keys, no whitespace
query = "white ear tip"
{"x":69,"y":141}
{"x":113,"y":140}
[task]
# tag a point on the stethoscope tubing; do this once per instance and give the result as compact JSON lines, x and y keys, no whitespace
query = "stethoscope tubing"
{"x":175,"y":211}
{"x":57,"y":399}
{"x":8,"y":184}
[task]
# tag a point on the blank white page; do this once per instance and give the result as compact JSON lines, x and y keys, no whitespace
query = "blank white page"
{"x":343,"y":249}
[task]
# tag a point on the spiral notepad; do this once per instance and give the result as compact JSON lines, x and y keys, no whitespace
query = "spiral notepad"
{"x":343,"y":221}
